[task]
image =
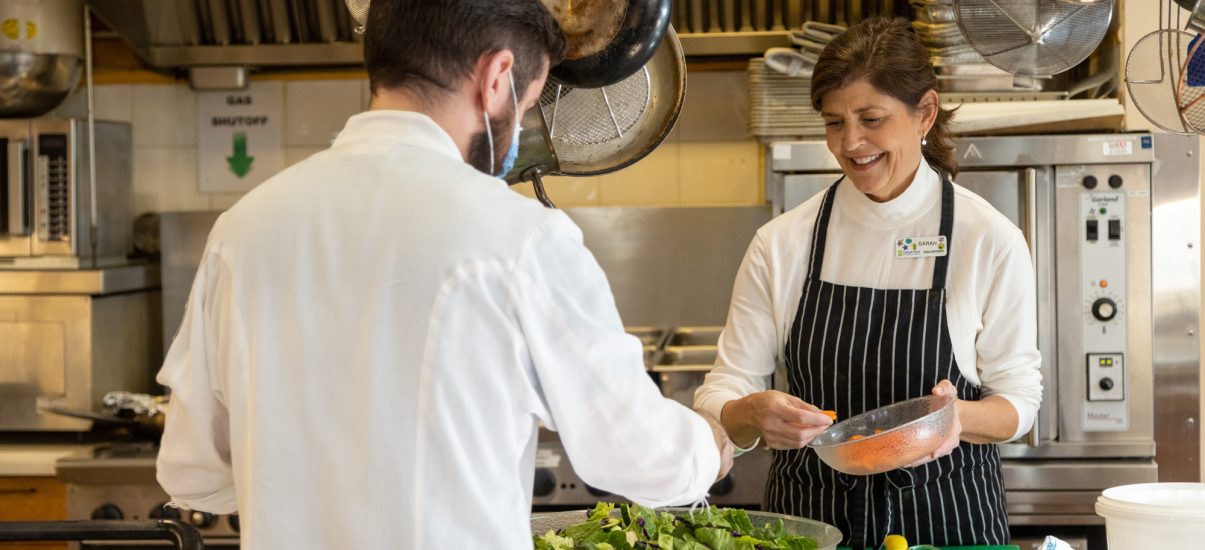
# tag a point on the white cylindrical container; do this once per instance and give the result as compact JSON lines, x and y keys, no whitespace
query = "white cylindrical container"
{"x":1154,"y":515}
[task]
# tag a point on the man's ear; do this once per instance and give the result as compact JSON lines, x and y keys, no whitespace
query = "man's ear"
{"x":491,"y":79}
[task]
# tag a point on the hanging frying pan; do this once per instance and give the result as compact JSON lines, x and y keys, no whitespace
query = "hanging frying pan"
{"x":606,"y":40}
{"x":592,"y":131}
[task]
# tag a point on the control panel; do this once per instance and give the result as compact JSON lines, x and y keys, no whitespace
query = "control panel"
{"x":53,"y":202}
{"x":1103,"y":266}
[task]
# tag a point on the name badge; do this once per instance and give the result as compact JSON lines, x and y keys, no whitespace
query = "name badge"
{"x":920,"y":247}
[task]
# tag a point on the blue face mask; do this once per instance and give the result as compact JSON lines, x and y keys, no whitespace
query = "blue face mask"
{"x":512,"y":154}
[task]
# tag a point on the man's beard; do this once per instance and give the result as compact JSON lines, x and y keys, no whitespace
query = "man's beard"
{"x":503,"y":129}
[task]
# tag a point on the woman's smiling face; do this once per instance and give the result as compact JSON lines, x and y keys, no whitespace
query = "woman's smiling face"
{"x":876,"y":137}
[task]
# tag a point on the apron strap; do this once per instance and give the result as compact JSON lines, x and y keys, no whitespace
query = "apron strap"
{"x":820,"y":231}
{"x":946,"y":229}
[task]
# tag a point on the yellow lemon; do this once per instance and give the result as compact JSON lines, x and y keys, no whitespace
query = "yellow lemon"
{"x":895,"y":542}
{"x":11,"y":28}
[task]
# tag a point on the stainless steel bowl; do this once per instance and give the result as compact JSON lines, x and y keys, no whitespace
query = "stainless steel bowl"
{"x":33,"y":84}
{"x":888,"y":437}
{"x":825,"y":535}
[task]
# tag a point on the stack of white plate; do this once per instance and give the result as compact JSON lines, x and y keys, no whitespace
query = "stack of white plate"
{"x":780,"y":106}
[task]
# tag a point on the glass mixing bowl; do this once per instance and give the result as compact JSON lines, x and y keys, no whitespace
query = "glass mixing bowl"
{"x":888,"y":437}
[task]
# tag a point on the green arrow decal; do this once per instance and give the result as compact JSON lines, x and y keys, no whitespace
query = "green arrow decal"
{"x":239,"y":162}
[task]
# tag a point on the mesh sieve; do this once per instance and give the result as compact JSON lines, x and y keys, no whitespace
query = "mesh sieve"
{"x":1153,"y":74}
{"x":581,"y":120}
{"x":359,"y":12}
{"x":1033,"y":37}
{"x":1190,"y":88}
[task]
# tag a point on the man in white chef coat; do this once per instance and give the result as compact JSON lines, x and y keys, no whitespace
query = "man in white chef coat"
{"x":374,"y":333}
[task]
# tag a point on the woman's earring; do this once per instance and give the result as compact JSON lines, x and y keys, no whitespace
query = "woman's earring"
{"x":924,"y":142}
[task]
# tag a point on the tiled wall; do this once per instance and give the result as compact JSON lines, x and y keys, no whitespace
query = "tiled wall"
{"x":707,"y":160}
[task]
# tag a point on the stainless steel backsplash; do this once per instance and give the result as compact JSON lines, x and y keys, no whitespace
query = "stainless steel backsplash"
{"x":667,"y":266}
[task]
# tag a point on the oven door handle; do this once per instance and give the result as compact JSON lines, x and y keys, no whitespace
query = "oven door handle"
{"x":182,"y":535}
{"x":18,"y":206}
{"x":1031,"y":229}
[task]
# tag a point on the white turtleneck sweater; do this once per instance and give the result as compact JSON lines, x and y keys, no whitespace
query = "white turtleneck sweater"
{"x":990,"y":304}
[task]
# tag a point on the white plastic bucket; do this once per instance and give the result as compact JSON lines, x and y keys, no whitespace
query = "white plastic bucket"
{"x":1154,"y":515}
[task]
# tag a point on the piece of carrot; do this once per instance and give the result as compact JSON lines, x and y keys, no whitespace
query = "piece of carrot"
{"x":856,"y":437}
{"x":830,"y":414}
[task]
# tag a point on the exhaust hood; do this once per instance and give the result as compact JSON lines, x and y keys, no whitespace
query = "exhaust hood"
{"x":169,"y":34}
{"x":178,"y":34}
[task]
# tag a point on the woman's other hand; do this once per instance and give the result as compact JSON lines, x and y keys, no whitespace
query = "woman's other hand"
{"x":782,"y":420}
{"x":944,"y":389}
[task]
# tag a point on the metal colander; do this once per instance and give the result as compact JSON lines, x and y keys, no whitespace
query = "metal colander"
{"x":359,"y":12}
{"x":591,"y":131}
{"x":1033,"y":37}
{"x":582,"y":119}
{"x":1152,"y":77}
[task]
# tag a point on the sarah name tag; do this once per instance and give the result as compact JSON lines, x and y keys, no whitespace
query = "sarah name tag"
{"x":920,"y":247}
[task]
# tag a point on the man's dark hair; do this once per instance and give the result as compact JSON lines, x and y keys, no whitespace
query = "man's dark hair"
{"x":430,"y":46}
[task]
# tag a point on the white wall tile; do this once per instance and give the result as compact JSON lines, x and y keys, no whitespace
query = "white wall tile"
{"x":165,"y":178}
{"x":315,"y":110}
{"x":164,"y":115}
{"x":112,"y":102}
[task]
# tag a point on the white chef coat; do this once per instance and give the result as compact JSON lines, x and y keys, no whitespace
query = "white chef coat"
{"x":991,"y":308}
{"x":370,"y":341}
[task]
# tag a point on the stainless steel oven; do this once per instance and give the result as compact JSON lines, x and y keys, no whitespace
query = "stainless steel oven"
{"x":1112,"y":222}
{"x":46,"y":193}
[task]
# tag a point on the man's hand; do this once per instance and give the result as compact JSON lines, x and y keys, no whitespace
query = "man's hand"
{"x":722,"y":443}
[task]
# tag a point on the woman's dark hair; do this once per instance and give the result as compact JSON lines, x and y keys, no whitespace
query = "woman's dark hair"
{"x":887,"y":54}
{"x":429,"y":46}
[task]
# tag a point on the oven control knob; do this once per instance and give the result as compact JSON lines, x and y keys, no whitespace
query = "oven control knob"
{"x":723,"y":486}
{"x":233,"y":522}
{"x":1106,"y":384}
{"x":1090,"y":182}
{"x":204,"y":520}
{"x":596,"y":492}
{"x":544,"y":483}
{"x":1115,"y":181}
{"x":1104,"y":309}
{"x":107,"y":511}
{"x":163,"y":511}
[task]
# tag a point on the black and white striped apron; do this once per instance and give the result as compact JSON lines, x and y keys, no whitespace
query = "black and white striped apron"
{"x":853,"y":349}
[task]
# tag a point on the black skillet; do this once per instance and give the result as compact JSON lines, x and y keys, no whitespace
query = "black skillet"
{"x":608,"y":40}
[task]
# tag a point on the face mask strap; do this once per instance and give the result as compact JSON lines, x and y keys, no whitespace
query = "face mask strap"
{"x":489,"y":136}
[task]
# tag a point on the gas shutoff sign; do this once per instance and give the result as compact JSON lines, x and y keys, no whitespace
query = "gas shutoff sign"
{"x":239,"y":137}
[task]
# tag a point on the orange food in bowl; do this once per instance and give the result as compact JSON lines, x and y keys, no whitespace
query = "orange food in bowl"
{"x":920,"y":425}
{"x":831,"y":414}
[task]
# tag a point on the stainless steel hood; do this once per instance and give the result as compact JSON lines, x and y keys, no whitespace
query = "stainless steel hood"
{"x":169,"y":34}
{"x":176,"y":34}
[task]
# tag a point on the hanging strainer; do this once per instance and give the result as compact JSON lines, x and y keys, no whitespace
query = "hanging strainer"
{"x":1033,"y":37}
{"x":591,"y":131}
{"x":1153,"y":77}
{"x":1190,"y":87}
{"x":359,"y":13}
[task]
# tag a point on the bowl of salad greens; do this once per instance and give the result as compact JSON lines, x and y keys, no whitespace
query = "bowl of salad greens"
{"x":633,"y":527}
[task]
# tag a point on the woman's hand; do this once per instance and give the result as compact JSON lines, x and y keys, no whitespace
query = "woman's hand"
{"x":782,"y":420}
{"x":943,"y":389}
